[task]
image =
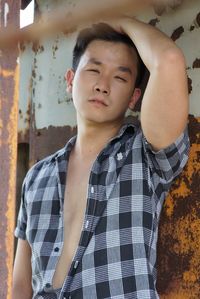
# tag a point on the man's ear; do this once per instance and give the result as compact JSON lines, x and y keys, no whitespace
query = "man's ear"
{"x":135,"y":97}
{"x":69,"y":77}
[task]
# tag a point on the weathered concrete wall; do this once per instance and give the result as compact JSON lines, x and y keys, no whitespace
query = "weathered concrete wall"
{"x":47,"y":120}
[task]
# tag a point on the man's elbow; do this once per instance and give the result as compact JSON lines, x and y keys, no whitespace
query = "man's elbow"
{"x":171,"y":57}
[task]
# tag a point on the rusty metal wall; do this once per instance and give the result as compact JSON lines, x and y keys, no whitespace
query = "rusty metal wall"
{"x":179,"y":234}
{"x":9,"y":77}
{"x":47,"y":120}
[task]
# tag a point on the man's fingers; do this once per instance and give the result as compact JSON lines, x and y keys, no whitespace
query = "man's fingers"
{"x":162,"y":5}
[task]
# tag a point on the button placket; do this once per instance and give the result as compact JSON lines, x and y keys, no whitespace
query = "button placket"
{"x":92,"y":189}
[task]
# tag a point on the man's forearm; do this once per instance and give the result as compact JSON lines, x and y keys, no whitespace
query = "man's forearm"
{"x":151,"y":43}
{"x":164,"y":107}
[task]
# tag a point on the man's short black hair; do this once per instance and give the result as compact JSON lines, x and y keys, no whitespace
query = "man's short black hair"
{"x":104,"y":32}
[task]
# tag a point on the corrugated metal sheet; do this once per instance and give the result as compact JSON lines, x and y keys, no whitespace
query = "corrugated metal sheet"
{"x":25,"y":3}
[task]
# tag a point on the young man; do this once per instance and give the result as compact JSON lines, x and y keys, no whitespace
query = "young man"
{"x":89,"y":215}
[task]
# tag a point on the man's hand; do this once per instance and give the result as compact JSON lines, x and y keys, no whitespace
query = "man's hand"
{"x":162,"y":5}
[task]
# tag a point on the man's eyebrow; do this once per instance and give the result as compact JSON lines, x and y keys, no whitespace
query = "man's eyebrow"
{"x":95,"y":61}
{"x":125,"y":69}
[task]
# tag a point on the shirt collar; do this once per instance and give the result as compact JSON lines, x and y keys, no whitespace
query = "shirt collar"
{"x":65,"y":151}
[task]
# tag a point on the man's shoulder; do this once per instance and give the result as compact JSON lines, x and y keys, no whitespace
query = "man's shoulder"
{"x":45,"y":165}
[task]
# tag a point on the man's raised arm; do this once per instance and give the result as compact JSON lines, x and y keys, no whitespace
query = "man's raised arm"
{"x":164,"y":108}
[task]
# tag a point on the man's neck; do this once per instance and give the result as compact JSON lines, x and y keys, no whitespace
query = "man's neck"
{"x":91,"y":139}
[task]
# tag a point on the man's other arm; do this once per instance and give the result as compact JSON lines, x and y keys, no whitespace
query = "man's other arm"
{"x":164,"y":108}
{"x":22,"y":273}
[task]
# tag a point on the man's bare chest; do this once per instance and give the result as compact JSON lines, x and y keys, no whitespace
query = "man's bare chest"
{"x":75,"y":201}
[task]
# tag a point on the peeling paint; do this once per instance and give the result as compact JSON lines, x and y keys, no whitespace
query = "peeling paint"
{"x":192,"y":27}
{"x":189,"y":85}
{"x":23,"y":134}
{"x":198,"y":19}
{"x":196,"y":63}
{"x":154,"y":22}
{"x":37,"y":48}
{"x":177,"y":33}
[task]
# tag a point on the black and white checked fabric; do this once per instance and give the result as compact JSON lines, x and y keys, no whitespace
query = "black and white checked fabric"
{"x":116,"y":255}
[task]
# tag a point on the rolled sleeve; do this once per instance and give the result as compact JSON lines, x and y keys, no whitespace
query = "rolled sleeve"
{"x":168,"y":162}
{"x":20,"y":230}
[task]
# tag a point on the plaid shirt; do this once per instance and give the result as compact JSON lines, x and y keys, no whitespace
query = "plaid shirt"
{"x":116,"y":254}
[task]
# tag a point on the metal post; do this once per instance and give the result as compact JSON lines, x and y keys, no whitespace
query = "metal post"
{"x":9,"y":75}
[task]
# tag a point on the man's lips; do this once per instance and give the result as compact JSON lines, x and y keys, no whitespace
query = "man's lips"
{"x":98,"y":101}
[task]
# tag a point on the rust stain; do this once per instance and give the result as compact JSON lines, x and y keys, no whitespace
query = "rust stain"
{"x":196,"y":63}
{"x":23,"y":135}
{"x":177,"y":33}
{"x":33,"y":73}
{"x":154,"y":22}
{"x":192,"y":27}
{"x":10,"y":213}
{"x":55,"y":47}
{"x":5,"y":73}
{"x":37,"y":48}
{"x":189,"y":85}
{"x":46,"y":141}
{"x":8,"y":156}
{"x":9,"y":75}
{"x":198,"y":19}
{"x":179,"y":235}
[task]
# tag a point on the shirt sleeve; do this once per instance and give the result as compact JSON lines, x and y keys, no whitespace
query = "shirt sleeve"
{"x":169,"y":162}
{"x":20,"y":230}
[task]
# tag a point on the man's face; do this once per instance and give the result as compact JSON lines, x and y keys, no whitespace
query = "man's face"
{"x":103,"y":84}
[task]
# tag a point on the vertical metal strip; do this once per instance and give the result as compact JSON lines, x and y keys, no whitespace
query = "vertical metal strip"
{"x":9,"y":77}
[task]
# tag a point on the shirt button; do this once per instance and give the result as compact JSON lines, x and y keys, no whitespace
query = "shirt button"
{"x":87,"y":224}
{"x":56,"y":249}
{"x":76,"y":264}
{"x":48,"y":285}
{"x":92,"y":189}
{"x":67,"y":297}
{"x":119,"y":156}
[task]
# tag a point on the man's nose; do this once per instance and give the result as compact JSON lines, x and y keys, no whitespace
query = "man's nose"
{"x":102,"y":86}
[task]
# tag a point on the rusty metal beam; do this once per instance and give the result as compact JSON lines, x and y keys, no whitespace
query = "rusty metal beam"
{"x":25,"y":3}
{"x":9,"y":74}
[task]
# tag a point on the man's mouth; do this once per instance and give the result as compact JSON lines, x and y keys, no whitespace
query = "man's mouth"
{"x":98,"y":101}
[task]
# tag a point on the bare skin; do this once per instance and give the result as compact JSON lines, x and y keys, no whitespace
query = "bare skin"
{"x":101,"y":93}
{"x":74,"y":210}
{"x":22,"y":272}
